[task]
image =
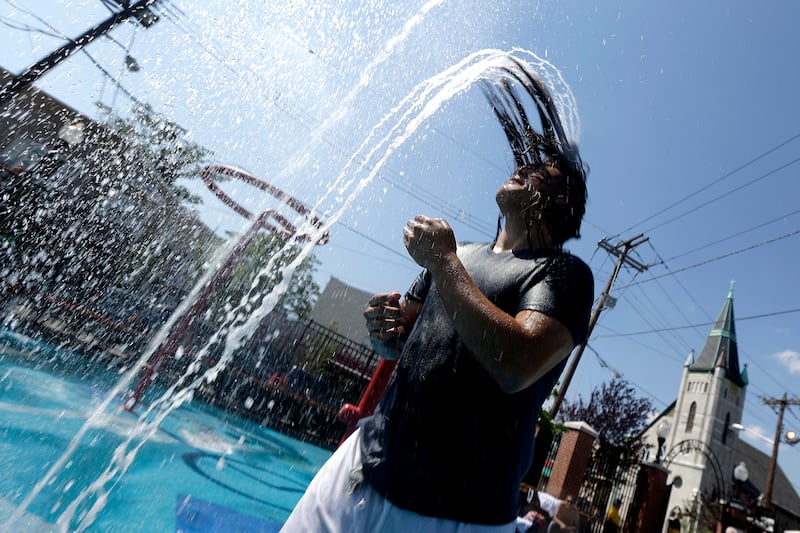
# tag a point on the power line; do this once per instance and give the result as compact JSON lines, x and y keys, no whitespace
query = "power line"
{"x":738,"y":234}
{"x":677,"y":280}
{"x":428,"y":198}
{"x":38,"y":69}
{"x":666,"y":355}
{"x":724,"y":256}
{"x":618,"y":375}
{"x":749,"y":359}
{"x":374,"y":241}
{"x":704,"y":324}
{"x":728,"y":193}
{"x":622,"y":252}
{"x":705,"y":187}
{"x":654,"y":309}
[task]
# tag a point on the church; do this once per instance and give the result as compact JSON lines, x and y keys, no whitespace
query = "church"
{"x":699,"y":429}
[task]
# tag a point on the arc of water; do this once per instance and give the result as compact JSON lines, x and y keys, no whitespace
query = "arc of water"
{"x":346,"y":104}
{"x":407,"y":116}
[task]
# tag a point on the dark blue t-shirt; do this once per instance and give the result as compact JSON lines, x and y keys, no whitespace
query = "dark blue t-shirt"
{"x":446,"y":441}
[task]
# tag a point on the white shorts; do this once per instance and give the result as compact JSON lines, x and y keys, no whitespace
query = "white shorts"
{"x":330,"y":506}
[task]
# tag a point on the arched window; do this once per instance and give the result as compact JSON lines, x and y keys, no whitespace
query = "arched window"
{"x":726,"y":428}
{"x":690,"y":418}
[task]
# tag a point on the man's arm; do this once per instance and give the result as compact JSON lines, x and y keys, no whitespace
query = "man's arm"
{"x":515,"y":350}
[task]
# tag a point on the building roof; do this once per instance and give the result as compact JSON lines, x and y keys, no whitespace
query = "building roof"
{"x":757,"y":462}
{"x":341,"y":308}
{"x":720,"y":349}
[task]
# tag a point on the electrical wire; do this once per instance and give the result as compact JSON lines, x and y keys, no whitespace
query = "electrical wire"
{"x":726,"y":194}
{"x":702,"y":324}
{"x":718,"y":258}
{"x":433,"y":201}
{"x":619,"y":375}
{"x":709,"y":185}
{"x":738,"y":234}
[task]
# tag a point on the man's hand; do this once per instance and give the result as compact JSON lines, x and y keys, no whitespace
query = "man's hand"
{"x":385,"y":324}
{"x":428,"y":240}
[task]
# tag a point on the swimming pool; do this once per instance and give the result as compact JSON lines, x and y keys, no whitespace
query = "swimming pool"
{"x":197,"y":470}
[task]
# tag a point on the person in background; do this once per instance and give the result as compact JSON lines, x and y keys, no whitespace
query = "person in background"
{"x":532,"y":519}
{"x":612,"y":522}
{"x":674,"y":522}
{"x":566,"y":518}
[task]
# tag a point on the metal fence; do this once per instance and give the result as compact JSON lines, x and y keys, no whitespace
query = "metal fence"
{"x":604,"y":480}
{"x":294,"y":376}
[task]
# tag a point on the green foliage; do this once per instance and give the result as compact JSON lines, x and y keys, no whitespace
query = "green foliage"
{"x":547,"y":421}
{"x":618,"y":415}
{"x":262,"y":267}
{"x":161,"y":143}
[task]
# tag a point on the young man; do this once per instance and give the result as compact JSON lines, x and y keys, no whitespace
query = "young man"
{"x":482,"y":336}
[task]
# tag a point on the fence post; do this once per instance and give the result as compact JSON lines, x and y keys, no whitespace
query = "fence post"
{"x":574,"y":453}
{"x":646,"y":512}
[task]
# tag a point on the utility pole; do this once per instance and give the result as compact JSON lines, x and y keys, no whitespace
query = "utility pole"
{"x":621,"y":250}
{"x":781,"y":403}
{"x":18,"y":83}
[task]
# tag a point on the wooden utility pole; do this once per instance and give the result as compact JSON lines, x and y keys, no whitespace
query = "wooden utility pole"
{"x":20,"y":82}
{"x":781,"y":403}
{"x":621,"y":250}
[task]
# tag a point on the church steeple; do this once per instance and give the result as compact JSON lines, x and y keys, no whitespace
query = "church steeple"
{"x":720,"y":350}
{"x":710,"y":400}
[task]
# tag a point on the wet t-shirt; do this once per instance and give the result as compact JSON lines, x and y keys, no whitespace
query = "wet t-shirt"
{"x":446,"y":441}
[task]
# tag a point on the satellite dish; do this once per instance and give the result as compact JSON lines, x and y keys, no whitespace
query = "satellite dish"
{"x":677,"y":482}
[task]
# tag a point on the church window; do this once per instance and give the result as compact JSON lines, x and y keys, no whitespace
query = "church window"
{"x":690,"y":418}
{"x":726,"y":428}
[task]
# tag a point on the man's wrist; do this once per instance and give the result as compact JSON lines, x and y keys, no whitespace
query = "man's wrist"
{"x":388,"y":349}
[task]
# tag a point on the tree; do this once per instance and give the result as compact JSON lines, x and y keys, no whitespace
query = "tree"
{"x":266,"y":247}
{"x":617,"y":414}
{"x":161,"y":143}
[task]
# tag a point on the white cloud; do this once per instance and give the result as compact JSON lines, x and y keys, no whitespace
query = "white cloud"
{"x":790,"y":359}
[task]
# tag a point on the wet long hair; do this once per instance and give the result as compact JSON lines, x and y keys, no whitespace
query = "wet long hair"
{"x":562,"y":211}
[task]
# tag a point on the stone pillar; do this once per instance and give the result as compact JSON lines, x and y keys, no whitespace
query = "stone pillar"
{"x":647,"y":511}
{"x":574,"y":453}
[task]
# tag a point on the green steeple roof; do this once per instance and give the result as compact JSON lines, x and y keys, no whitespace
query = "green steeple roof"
{"x":721,"y":349}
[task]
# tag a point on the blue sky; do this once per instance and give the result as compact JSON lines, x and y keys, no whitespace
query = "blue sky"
{"x":688,"y":121}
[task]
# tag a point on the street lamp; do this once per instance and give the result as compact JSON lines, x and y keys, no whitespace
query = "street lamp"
{"x":662,"y":432}
{"x":728,"y":510}
{"x":740,"y":475}
{"x":791,"y":438}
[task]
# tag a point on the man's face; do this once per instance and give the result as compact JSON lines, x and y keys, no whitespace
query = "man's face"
{"x":519,"y":192}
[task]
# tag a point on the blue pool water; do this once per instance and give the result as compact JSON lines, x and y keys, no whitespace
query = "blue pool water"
{"x":197,"y":470}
